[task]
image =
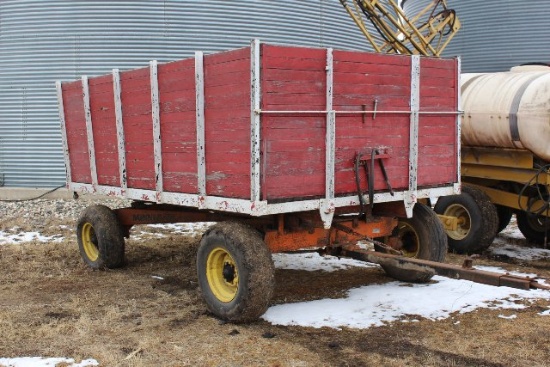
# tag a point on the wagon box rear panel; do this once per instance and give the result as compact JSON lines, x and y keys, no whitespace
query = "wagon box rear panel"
{"x":266,"y":129}
{"x":78,"y":167}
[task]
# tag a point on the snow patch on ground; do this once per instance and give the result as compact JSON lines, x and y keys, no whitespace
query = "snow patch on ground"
{"x":379,"y":304}
{"x":519,"y":252}
{"x":14,"y":236}
{"x":314,"y":262}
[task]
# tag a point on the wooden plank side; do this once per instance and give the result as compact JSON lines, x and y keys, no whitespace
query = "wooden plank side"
{"x":227,"y":120}
{"x":293,"y":76}
{"x":438,"y":159}
{"x":366,"y":81}
{"x":138,"y":128}
{"x":178,"y":127}
{"x":75,"y":123}
{"x":355,"y":135}
{"x":102,"y":108}
{"x":293,"y":151}
{"x":293,"y":146}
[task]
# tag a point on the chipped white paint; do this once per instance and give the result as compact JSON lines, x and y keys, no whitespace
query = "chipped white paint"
{"x":458,"y":126}
{"x":201,"y":143}
{"x":121,"y":143}
{"x":259,"y":208}
{"x":61,"y":108}
{"x":412,"y":196}
{"x":327,"y":206}
{"x":255,"y":121}
{"x":89,"y":129}
{"x":155,"y":115}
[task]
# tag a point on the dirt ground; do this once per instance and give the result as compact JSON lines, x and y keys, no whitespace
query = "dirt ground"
{"x":149,"y":313}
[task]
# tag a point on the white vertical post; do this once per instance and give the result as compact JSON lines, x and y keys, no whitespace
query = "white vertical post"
{"x":89,"y":131}
{"x":201,"y":152}
{"x":411,"y":195}
{"x":121,"y":142}
{"x":255,"y":96}
{"x":61,"y":108}
{"x":327,"y":205}
{"x":458,"y":125}
{"x":155,"y":114}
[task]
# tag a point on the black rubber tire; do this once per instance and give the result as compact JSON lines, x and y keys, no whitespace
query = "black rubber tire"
{"x":422,"y":237}
{"x":100,"y":238}
{"x":246,"y":257}
{"x":479,"y":220}
{"x":504,"y":214}
{"x":533,"y":227}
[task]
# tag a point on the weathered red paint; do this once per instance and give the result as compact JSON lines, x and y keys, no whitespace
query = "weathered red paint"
{"x":292,"y":145}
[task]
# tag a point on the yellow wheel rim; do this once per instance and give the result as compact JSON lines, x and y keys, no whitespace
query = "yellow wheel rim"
{"x":464,"y":221}
{"x":410,"y":243}
{"x":222,"y":275}
{"x":89,"y":242}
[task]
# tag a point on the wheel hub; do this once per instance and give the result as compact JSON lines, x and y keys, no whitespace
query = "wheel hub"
{"x":222,"y":275}
{"x":89,"y":242}
{"x":228,"y":272}
{"x":464,"y":221}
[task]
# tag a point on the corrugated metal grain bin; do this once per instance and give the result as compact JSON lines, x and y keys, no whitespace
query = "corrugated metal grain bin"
{"x":497,"y":34}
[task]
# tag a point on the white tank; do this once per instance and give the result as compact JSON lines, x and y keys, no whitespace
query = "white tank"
{"x":509,"y":110}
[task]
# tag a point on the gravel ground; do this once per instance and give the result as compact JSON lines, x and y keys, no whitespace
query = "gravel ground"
{"x":40,"y":213}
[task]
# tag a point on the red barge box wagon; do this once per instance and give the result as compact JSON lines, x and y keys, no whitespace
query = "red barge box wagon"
{"x":286,"y":148}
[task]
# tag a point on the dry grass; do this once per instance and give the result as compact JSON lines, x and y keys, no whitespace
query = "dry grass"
{"x":52,"y":305}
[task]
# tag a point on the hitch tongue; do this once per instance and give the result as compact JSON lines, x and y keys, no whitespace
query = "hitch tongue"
{"x":466,"y":271}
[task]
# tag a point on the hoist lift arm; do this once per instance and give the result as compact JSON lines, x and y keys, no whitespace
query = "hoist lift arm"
{"x":389,"y":30}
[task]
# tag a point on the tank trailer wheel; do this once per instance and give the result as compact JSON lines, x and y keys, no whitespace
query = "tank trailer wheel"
{"x":477,"y":216}
{"x":422,"y":237}
{"x":236,"y":273}
{"x":504,"y":216}
{"x":533,"y":227}
{"x":100,"y":238}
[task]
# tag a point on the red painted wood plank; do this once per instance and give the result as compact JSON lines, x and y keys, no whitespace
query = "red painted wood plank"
{"x":370,"y":58}
{"x":271,"y":51}
{"x":75,"y":124}
{"x":227,"y":56}
{"x":371,"y":69}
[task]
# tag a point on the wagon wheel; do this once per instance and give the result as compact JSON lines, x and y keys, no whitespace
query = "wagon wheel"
{"x":100,"y":238}
{"x":478,"y":220}
{"x":236,"y":273}
{"x":422,"y":237}
{"x":534,"y":227}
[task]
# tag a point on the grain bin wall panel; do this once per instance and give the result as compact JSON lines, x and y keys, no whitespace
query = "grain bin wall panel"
{"x":496,"y":34}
